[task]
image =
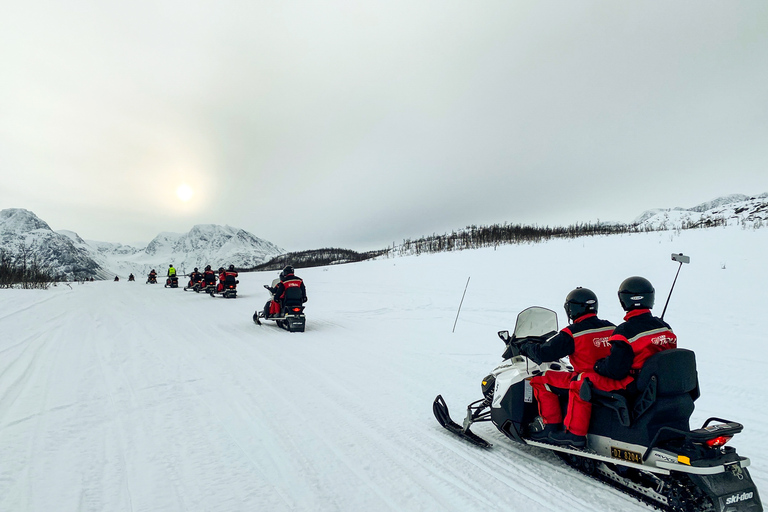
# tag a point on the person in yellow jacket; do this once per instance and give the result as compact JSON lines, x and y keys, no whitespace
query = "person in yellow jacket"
{"x":171,"y":270}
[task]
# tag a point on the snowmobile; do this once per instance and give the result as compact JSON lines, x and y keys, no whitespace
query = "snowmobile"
{"x":290,"y":313}
{"x":639,"y":439}
{"x":195,"y":284}
{"x":208,"y":285}
{"x":228,"y":288}
{"x":131,"y":278}
{"x":151,"y":279}
{"x":172,"y":282}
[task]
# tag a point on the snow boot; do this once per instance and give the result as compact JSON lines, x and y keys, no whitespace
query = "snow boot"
{"x":547,"y":429}
{"x":566,"y":438}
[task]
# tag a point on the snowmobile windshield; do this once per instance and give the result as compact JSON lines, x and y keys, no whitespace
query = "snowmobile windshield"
{"x":535,"y":321}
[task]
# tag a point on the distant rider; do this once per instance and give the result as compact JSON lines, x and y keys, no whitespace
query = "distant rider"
{"x":225,"y":276}
{"x":194,"y":278}
{"x":636,"y":339}
{"x":584,"y":342}
{"x":209,"y":276}
{"x":171,"y":271}
{"x":287,"y":280}
{"x":152,"y":277}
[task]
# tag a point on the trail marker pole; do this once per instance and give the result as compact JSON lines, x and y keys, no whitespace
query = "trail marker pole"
{"x":460,"y":303}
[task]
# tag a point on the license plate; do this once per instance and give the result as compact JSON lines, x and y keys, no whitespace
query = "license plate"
{"x":629,"y":456}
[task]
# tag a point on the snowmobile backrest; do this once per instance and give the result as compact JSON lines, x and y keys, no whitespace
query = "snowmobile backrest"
{"x":292,"y":295}
{"x":672,"y":372}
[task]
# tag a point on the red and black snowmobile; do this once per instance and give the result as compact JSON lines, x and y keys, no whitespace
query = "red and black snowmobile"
{"x":288,"y":312}
{"x":227,"y":286}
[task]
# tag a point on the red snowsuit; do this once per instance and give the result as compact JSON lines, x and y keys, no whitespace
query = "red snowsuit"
{"x":223,"y":277}
{"x":585,"y":341}
{"x":209,"y":277}
{"x":274,"y":306}
{"x":632,"y":343}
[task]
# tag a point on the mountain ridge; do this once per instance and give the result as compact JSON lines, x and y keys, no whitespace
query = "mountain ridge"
{"x":71,"y":256}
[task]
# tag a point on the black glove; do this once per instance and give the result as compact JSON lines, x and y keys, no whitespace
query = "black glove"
{"x":527,"y":349}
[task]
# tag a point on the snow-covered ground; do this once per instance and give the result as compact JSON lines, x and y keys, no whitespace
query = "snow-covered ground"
{"x":132,"y":397}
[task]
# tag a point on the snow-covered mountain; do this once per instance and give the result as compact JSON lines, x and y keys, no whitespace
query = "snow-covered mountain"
{"x":732,"y":209}
{"x":204,"y":244}
{"x":23,"y":232}
{"x":69,"y":254}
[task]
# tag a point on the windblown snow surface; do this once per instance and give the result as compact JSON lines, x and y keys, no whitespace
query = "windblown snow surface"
{"x":132,"y":397}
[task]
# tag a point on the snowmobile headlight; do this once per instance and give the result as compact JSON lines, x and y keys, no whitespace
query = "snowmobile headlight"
{"x":488,"y":385}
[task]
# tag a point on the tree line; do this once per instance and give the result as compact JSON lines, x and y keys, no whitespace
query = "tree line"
{"x":476,"y":237}
{"x":24,"y":270}
{"x":317,"y":258}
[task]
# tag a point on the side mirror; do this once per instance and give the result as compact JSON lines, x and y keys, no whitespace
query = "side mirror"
{"x":681,"y":258}
{"x":504,"y":335}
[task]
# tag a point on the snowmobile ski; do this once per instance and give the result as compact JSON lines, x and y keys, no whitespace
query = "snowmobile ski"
{"x":440,"y":409}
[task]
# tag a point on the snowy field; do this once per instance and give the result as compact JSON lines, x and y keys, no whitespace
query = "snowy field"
{"x":131,"y":397}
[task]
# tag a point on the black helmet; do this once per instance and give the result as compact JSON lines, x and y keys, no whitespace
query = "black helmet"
{"x":207,"y":267}
{"x":580,"y":302}
{"x":195,"y":269}
{"x":221,"y":269}
{"x":636,"y":293}
{"x":232,"y":267}
{"x":288,"y":270}
{"x":169,"y":266}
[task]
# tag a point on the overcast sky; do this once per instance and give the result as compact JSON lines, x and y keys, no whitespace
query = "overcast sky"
{"x":357,"y":124}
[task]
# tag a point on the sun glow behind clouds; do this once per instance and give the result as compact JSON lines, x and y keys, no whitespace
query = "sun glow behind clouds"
{"x":184,"y":192}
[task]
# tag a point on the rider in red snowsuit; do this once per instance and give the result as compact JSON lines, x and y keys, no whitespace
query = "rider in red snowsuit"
{"x":287,"y":280}
{"x":584,"y":342}
{"x":223,"y":274}
{"x":632,"y":343}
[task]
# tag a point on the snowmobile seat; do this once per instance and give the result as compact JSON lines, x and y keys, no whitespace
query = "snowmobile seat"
{"x":666,"y":374}
{"x":661,"y":396}
{"x":229,"y":280}
{"x":613,"y":400}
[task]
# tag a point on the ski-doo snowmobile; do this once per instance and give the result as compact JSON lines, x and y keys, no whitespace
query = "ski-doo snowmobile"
{"x":195,"y":284}
{"x":639,"y":440}
{"x":289,"y":313}
{"x":151,"y":279}
{"x":227,"y":288}
{"x":172,"y":282}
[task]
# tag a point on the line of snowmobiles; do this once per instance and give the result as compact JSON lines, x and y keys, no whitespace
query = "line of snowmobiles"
{"x":639,"y":440}
{"x":228,"y":291}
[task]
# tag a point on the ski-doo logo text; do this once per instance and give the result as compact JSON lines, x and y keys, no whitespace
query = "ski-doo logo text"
{"x":661,"y":340}
{"x":602,"y":342}
{"x":739,"y":497}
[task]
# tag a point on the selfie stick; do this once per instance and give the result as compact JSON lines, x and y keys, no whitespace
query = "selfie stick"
{"x":682,"y":259}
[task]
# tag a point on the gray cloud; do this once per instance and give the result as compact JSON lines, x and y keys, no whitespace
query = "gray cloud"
{"x":356,"y":124}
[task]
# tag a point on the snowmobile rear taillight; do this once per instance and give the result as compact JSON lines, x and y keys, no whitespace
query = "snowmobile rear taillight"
{"x":296,"y":310}
{"x":718,"y":441}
